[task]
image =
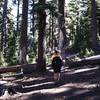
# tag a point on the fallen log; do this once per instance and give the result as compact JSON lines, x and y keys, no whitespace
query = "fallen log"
{"x":26,"y":68}
{"x":93,"y":60}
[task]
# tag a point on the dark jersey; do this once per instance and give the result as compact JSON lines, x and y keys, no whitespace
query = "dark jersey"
{"x":57,"y":61}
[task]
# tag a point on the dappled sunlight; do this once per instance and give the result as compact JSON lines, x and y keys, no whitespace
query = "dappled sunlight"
{"x":51,"y":70}
{"x":75,"y":82}
{"x":36,"y":85}
{"x":29,"y":81}
{"x":65,"y":69}
{"x":84,"y":85}
{"x":3,"y":82}
{"x":55,"y":90}
{"x":82,"y":70}
{"x":33,"y":79}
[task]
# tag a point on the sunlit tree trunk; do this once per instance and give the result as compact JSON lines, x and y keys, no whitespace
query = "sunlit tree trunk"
{"x":94,"y":41}
{"x":23,"y":35}
{"x":52,"y":31}
{"x":61,"y":21}
{"x":49,"y":35}
{"x":41,"y":64}
{"x":3,"y":26}
{"x":17,"y":28}
{"x":33,"y":18}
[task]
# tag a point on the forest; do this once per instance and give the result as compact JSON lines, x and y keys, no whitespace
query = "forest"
{"x":31,"y":29}
{"x":37,"y":27}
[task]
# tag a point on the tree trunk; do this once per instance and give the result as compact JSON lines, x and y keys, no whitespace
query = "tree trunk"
{"x":94,"y":41}
{"x":99,"y":26}
{"x":61,"y":21}
{"x":33,"y":18}
{"x":17,"y":29}
{"x":3,"y":26}
{"x":23,"y":37}
{"x":41,"y":63}
{"x":52,"y":31}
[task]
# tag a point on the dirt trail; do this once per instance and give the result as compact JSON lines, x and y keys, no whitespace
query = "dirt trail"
{"x":75,"y":84}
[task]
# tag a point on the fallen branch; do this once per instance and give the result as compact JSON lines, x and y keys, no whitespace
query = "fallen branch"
{"x":93,"y":60}
{"x":26,"y":68}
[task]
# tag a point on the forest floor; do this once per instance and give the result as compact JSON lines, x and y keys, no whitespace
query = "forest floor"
{"x":82,"y":83}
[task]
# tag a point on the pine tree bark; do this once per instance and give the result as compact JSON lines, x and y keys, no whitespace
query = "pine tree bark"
{"x":99,"y":26}
{"x":3,"y":26}
{"x":23,"y":35}
{"x":61,"y":21}
{"x":17,"y":28}
{"x":94,"y":41}
{"x":41,"y":61}
{"x":33,"y":18}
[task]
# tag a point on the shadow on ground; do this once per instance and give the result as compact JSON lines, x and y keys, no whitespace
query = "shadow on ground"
{"x":76,"y":84}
